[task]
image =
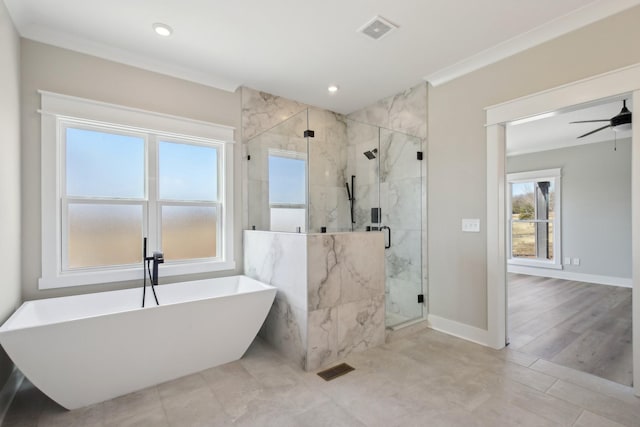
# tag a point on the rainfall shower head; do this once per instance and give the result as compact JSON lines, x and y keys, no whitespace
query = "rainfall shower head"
{"x":371,"y":154}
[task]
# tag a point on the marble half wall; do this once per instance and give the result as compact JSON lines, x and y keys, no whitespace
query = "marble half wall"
{"x":279,"y":259}
{"x":331,"y":296}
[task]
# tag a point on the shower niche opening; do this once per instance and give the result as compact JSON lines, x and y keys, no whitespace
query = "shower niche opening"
{"x":320,"y":172}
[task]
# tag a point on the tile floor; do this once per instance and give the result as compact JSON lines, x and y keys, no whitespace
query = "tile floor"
{"x":424,"y":379}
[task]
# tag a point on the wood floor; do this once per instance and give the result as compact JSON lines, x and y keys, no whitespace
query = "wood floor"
{"x":574,"y":324}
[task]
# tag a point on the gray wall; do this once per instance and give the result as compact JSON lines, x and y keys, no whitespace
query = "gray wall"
{"x":9,"y":175}
{"x":596,"y":203}
{"x":457,"y":150}
{"x":58,"y":70}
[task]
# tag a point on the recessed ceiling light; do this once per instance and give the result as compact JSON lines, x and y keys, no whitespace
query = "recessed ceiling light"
{"x":333,"y":88}
{"x":162,"y":29}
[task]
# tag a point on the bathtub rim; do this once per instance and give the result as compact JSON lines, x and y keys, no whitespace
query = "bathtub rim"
{"x":6,"y":328}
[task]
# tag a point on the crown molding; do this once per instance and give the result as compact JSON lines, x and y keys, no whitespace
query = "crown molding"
{"x":562,"y":25}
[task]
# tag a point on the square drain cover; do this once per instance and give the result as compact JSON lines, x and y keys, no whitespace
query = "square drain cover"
{"x":335,"y":372}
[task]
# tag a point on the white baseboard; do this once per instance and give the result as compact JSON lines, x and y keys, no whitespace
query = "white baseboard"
{"x":460,"y":330}
{"x":8,"y":392}
{"x":570,"y":275}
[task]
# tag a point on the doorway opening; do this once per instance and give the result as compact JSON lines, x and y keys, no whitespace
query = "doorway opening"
{"x":568,"y":232}
{"x":580,"y":93}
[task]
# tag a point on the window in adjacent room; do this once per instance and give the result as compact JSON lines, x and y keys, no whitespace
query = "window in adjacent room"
{"x":534,"y":218}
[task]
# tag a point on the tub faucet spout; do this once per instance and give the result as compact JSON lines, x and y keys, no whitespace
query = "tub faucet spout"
{"x":158,"y":258}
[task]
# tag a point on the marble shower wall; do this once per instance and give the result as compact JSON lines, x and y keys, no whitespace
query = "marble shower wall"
{"x":330,"y":299}
{"x":404,"y":112}
{"x":402,"y":193}
{"x":335,"y":154}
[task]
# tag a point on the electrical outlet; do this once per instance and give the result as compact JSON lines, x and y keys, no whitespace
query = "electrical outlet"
{"x":567,"y":260}
{"x":471,"y":225}
{"x":575,"y":261}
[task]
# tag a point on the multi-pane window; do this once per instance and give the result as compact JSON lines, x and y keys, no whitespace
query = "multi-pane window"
{"x":534,"y":217}
{"x":104,"y":201}
{"x":113,"y":175}
{"x":188,"y":200}
{"x":121,"y":186}
{"x":287,"y":191}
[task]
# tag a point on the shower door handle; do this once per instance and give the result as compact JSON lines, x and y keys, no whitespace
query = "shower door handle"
{"x":384,"y":227}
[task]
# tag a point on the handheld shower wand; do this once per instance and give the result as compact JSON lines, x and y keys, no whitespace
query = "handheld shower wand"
{"x":351,"y":197}
{"x":157,"y":258}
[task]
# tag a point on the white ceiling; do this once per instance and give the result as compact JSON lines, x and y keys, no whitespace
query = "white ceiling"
{"x":549,"y":133}
{"x":297,"y":48}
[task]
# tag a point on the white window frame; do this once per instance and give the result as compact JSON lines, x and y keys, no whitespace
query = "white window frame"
{"x":554,"y":175}
{"x":57,"y":109}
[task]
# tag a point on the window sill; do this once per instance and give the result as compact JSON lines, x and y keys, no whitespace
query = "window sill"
{"x":534,"y":263}
{"x":81,"y":278}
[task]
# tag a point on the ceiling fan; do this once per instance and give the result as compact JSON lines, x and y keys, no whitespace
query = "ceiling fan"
{"x":621,"y":121}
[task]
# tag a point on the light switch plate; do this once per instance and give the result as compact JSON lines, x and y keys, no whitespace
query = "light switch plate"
{"x":471,"y":225}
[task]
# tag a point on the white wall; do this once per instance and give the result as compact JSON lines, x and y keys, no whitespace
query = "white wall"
{"x":59,"y":70}
{"x":9,"y":175}
{"x":457,"y":150}
{"x":596,"y":204}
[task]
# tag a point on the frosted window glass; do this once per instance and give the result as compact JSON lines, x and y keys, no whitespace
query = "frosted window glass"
{"x":101,"y":235}
{"x":101,"y":164}
{"x":189,"y":232}
{"x":287,"y":183}
{"x":188,"y":172}
{"x":288,"y":219}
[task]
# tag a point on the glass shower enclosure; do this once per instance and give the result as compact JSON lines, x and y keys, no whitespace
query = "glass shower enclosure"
{"x":320,"y":172}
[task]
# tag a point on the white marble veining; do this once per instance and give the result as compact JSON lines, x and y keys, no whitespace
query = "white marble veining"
{"x":323,"y":337}
{"x":280,"y":260}
{"x":405,"y":112}
{"x":330,"y":302}
{"x":360,"y":325}
{"x":394,"y":181}
{"x":262,"y":111}
{"x":343,"y":268}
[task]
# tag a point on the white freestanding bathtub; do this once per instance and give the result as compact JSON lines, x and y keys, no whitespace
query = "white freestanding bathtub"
{"x":85,"y":349}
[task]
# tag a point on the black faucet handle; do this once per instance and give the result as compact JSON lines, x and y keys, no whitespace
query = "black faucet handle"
{"x":158,"y":257}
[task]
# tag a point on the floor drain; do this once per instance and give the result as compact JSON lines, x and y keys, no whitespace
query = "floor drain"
{"x":336,"y":371}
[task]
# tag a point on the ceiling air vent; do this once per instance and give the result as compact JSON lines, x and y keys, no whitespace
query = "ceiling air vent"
{"x":377,"y":28}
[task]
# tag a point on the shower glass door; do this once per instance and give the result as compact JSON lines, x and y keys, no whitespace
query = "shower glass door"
{"x":401,"y":203}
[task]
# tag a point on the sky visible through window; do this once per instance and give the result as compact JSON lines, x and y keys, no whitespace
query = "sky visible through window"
{"x":286,"y":180}
{"x":101,"y":164}
{"x":188,"y":172}
{"x":110,"y":165}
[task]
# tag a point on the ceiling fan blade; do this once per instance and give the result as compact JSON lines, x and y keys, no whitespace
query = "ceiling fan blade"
{"x":594,"y":131}
{"x":590,"y":121}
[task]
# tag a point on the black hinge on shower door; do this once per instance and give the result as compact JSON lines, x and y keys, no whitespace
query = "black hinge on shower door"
{"x":420,"y":155}
{"x":420,"y":298}
{"x":249,"y":157}
{"x":309,"y":133}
